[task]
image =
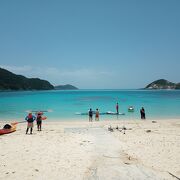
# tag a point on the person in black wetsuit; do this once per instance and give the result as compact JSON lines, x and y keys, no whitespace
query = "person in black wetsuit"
{"x":39,"y":121}
{"x":142,"y":112}
{"x":90,"y":115}
{"x":30,"y":119}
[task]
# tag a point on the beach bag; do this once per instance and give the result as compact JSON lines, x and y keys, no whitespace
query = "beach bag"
{"x":7,"y":126}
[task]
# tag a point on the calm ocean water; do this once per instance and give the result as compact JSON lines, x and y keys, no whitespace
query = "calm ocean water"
{"x":64,"y":104}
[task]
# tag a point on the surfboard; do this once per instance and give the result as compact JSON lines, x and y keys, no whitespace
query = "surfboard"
{"x":103,"y":113}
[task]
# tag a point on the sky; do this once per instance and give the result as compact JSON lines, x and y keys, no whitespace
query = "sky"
{"x":92,"y":44}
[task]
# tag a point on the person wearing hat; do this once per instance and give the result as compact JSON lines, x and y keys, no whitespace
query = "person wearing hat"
{"x":39,"y":120}
{"x":30,"y":119}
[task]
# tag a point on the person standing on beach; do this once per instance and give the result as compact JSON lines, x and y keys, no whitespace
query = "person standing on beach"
{"x":97,"y":115}
{"x":30,"y":119}
{"x":142,"y":112}
{"x":90,"y":115}
{"x":39,"y":120}
{"x":117,"y":108}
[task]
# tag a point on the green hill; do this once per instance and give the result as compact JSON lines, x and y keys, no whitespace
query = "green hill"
{"x":163,"y":84}
{"x":11,"y":81}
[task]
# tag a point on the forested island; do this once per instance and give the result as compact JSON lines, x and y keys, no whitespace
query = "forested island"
{"x":65,"y":87}
{"x":163,"y":84}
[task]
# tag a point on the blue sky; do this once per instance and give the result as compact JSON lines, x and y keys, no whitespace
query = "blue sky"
{"x":92,"y":43}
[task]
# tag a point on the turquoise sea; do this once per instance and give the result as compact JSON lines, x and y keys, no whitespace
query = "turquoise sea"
{"x":63,"y":105}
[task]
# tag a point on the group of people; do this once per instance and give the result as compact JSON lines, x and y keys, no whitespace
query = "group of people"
{"x":30,"y":121}
{"x":91,"y":112}
{"x":31,"y":118}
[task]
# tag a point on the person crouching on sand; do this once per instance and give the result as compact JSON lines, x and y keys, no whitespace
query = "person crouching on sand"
{"x":30,"y":119}
{"x":97,"y":115}
{"x":39,"y":120}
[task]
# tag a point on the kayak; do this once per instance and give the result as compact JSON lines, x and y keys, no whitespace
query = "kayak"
{"x":114,"y":113}
{"x":7,"y":131}
{"x":79,"y":113}
{"x":103,"y":113}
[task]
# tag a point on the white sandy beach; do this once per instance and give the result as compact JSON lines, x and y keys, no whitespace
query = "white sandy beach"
{"x":83,"y":150}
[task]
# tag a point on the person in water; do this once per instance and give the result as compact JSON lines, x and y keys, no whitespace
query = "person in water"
{"x":30,"y":119}
{"x":117,"y":108}
{"x":97,"y":115}
{"x":39,"y":120}
{"x":90,"y":115}
{"x":142,"y":112}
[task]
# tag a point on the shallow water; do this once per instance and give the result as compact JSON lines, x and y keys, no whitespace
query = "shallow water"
{"x":64,"y":104}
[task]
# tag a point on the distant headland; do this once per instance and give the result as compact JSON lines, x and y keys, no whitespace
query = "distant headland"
{"x":65,"y":87}
{"x":163,"y":84}
{"x":12,"y":82}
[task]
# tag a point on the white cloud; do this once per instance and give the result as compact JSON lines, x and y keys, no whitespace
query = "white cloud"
{"x":17,"y":69}
{"x":83,"y":77}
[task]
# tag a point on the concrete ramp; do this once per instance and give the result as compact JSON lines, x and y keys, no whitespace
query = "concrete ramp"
{"x":110,"y":162}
